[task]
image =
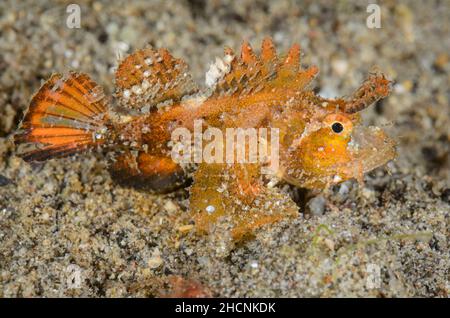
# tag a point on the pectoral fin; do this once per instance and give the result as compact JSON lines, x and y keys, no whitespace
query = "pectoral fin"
{"x":234,"y":197}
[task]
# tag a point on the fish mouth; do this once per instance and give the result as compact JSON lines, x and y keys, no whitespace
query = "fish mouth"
{"x":369,"y":148}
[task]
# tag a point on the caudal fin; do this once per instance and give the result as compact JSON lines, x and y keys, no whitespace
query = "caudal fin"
{"x":66,"y":116}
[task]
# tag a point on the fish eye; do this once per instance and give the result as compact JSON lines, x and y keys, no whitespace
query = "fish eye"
{"x":337,"y":127}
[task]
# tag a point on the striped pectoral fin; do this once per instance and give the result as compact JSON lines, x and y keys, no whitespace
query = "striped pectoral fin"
{"x":235,"y":198}
{"x":67,"y":115}
{"x":144,"y":171}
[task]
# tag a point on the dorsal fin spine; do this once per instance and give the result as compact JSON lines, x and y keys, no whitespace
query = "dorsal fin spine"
{"x":267,"y":71}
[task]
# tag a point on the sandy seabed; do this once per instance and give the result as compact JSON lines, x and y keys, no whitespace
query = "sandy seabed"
{"x":67,"y":230}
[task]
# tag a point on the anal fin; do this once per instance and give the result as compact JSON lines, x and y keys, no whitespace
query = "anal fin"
{"x":144,"y":171}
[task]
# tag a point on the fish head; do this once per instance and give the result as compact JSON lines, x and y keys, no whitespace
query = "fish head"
{"x":335,"y":147}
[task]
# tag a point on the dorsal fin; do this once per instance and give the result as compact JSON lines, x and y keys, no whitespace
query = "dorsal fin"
{"x":247,"y":54}
{"x":251,"y":73}
{"x":268,"y":52}
{"x":149,"y":77}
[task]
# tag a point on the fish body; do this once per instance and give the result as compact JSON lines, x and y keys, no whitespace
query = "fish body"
{"x":319,"y":141}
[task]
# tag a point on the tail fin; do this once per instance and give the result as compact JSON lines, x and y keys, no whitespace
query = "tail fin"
{"x":66,"y":116}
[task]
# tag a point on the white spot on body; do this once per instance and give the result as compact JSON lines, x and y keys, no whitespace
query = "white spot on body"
{"x":210,"y":209}
{"x":337,"y":178}
{"x":145,"y":129}
{"x":126,"y":93}
{"x":137,"y":90}
{"x":217,"y":70}
{"x":145,"y":85}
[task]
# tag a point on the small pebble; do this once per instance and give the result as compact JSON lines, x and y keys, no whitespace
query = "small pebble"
{"x":317,"y":205}
{"x":170,"y":207}
{"x":155,"y":261}
{"x":4,"y":181}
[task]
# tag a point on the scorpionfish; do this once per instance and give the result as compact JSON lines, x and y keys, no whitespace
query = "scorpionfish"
{"x":321,"y":142}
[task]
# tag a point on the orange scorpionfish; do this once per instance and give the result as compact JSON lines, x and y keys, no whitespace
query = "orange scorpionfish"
{"x":321,"y":141}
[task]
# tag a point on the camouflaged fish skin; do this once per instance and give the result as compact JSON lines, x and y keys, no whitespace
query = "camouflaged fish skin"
{"x":321,"y":141}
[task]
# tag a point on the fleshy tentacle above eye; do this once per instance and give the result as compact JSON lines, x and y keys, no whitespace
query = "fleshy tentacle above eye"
{"x":376,"y":87}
